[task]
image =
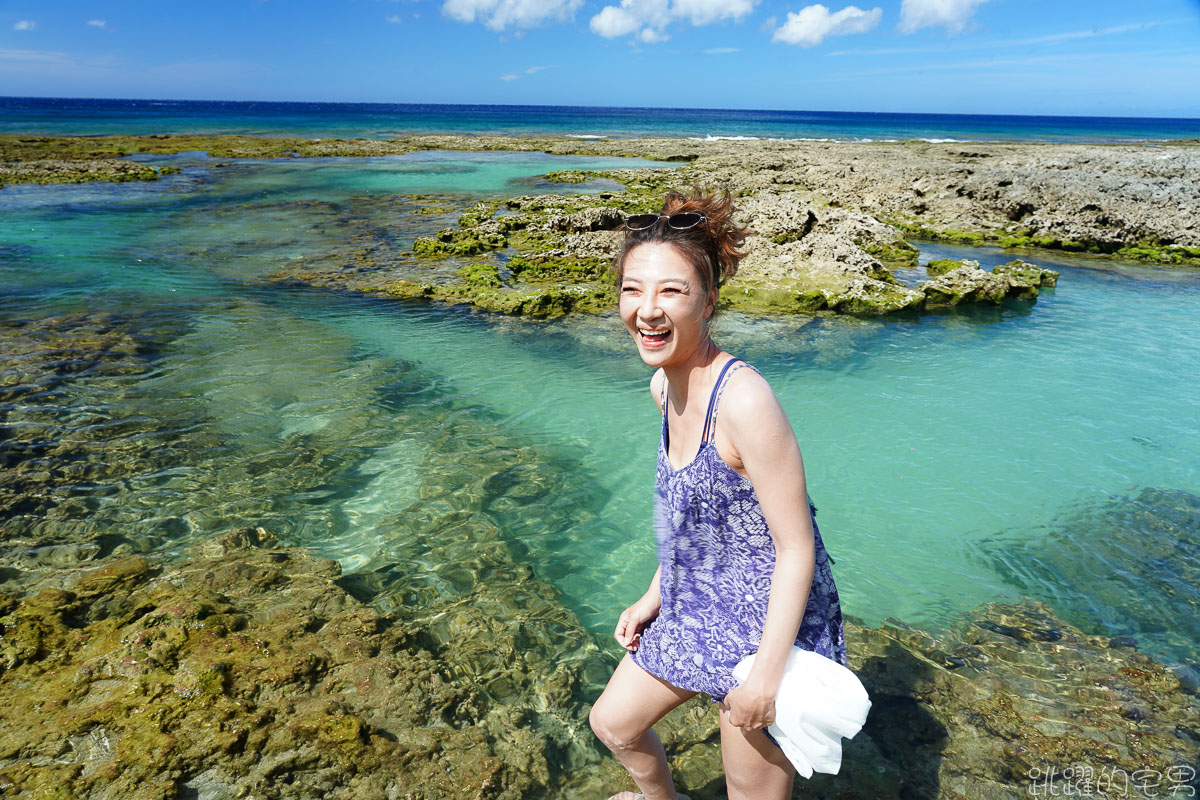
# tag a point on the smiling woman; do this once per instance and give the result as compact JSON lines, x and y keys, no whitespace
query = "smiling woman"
{"x":742,"y":568}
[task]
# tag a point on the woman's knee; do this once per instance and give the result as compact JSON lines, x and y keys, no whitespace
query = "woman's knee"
{"x":755,"y":768}
{"x":617,"y":731}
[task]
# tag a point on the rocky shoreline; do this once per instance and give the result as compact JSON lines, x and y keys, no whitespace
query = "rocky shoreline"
{"x":150,"y":649}
{"x":830,"y":220}
{"x":251,"y":669}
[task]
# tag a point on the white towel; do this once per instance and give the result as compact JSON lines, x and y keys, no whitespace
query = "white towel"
{"x":819,"y":701}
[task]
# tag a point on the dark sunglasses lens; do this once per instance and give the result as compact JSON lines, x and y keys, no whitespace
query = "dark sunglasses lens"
{"x":685,"y":220}
{"x":639,"y":222}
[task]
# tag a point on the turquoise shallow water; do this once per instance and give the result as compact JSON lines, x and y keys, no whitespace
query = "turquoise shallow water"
{"x":938,"y":448}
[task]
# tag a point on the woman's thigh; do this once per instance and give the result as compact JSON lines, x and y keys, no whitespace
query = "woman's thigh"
{"x":631,"y":703}
{"x":755,"y":768}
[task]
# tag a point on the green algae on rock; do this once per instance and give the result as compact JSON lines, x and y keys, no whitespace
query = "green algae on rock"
{"x":1126,"y":200}
{"x":940,"y":266}
{"x":805,"y":258}
{"x":450,"y":242}
{"x":1026,"y":273}
{"x":957,"y":282}
{"x":250,"y":668}
{"x":897,"y":253}
{"x":253,"y":671}
{"x":1010,"y":195}
{"x":551,"y":251}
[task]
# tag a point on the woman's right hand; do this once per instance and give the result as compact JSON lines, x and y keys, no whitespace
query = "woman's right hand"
{"x":634,"y":619}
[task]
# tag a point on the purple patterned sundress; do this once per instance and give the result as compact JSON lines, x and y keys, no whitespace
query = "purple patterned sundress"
{"x":717,"y":559}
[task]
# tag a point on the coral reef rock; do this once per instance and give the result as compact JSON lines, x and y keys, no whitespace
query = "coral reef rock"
{"x":254,"y":673}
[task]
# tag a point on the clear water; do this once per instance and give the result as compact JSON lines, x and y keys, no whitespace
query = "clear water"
{"x":929,"y":442}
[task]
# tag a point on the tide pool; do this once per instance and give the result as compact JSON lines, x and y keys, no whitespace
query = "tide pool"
{"x":940,"y":450}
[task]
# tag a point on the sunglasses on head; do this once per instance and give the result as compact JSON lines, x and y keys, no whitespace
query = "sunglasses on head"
{"x":680,"y":222}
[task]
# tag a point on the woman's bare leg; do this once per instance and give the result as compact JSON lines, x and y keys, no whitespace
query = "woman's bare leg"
{"x":755,"y":769}
{"x":631,"y":703}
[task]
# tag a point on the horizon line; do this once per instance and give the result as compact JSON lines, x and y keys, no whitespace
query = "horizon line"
{"x":599,"y":107}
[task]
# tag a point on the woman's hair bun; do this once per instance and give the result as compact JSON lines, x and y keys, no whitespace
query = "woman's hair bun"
{"x":726,"y":235}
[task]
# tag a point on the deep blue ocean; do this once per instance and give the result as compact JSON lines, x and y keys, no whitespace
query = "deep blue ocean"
{"x":384,"y":120}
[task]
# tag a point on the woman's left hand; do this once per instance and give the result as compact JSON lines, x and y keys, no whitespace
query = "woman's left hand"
{"x":750,"y":707}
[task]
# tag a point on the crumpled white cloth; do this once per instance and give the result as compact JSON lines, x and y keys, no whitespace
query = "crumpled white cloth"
{"x":819,"y":701}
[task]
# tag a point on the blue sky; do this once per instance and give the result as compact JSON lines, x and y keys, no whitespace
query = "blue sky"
{"x":1087,"y":57}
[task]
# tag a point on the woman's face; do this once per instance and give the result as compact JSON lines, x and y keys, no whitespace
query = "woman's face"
{"x":664,"y":305}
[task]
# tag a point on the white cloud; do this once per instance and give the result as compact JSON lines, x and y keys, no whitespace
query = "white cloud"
{"x":394,"y":19}
{"x":812,"y":24}
{"x":501,"y":14}
{"x":96,"y":23}
{"x":509,"y":77}
{"x":648,"y":19}
{"x":716,"y":51}
{"x":949,"y":14}
{"x":535,"y":70}
{"x":25,"y":25}
{"x":614,"y":21}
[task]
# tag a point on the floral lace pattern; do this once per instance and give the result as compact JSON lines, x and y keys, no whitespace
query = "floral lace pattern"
{"x":717,"y":559}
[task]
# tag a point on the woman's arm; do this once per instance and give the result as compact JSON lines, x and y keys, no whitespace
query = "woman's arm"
{"x":763,"y":444}
{"x":636,"y":617}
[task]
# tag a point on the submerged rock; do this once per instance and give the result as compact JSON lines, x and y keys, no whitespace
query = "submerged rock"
{"x":52,"y":440}
{"x":1127,"y":567}
{"x":254,"y":672}
{"x":1011,"y":693}
{"x":252,"y":668}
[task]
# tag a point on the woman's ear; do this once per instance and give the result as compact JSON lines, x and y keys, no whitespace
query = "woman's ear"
{"x":712,"y":304}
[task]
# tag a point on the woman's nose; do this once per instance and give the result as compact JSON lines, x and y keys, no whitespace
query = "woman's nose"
{"x":649,"y":309}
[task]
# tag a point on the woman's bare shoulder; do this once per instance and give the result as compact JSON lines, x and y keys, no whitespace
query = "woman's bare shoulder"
{"x":748,"y":400}
{"x":757,"y":427}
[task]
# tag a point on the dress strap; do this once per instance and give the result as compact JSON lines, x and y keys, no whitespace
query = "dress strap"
{"x":666,"y":430}
{"x":710,"y":419}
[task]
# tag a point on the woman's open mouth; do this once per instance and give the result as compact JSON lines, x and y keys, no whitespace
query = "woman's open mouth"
{"x":653,"y":338}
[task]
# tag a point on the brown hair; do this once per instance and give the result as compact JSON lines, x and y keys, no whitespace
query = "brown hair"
{"x":711,"y":247}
